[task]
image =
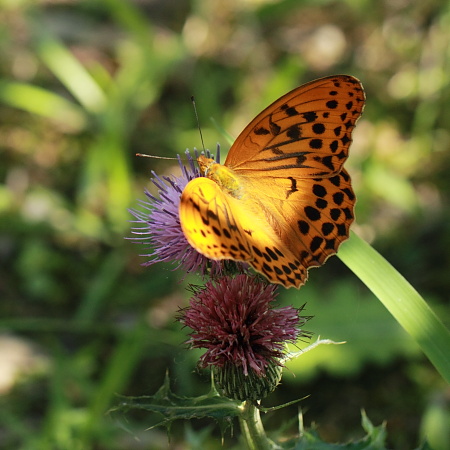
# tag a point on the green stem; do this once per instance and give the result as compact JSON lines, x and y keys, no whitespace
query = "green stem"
{"x":253,"y":430}
{"x":401,"y":299}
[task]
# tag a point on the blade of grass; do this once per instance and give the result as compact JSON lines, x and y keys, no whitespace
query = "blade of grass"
{"x":121,"y":364}
{"x":39,"y":101}
{"x":102,"y":284}
{"x":71,"y":73}
{"x":401,"y":299}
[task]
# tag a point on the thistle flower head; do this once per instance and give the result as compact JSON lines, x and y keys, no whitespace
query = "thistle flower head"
{"x":234,"y":319}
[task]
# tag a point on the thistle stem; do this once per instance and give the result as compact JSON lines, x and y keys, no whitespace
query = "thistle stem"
{"x":253,"y":430}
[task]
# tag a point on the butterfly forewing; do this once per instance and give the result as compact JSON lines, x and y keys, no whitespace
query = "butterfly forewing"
{"x":222,"y":227}
{"x":316,"y":215}
{"x":308,"y":129}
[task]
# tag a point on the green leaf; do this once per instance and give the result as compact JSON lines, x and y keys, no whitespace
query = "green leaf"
{"x":173,"y":407}
{"x":374,"y":439}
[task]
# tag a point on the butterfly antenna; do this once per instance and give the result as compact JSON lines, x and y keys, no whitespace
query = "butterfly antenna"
{"x":198,"y":122}
{"x":154,"y":156}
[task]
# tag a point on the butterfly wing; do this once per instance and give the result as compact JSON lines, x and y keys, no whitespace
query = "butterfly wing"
{"x":222,"y":227}
{"x":310,"y":216}
{"x":307,"y":131}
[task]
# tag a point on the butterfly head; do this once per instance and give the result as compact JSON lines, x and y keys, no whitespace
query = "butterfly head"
{"x":205,"y":164}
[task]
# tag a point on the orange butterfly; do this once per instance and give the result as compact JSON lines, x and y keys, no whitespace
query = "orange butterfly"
{"x":282,"y":202}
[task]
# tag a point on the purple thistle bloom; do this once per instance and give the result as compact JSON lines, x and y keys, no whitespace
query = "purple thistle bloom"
{"x":159,"y":223}
{"x":234,"y":320}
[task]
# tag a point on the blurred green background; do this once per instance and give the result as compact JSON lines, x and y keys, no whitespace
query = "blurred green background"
{"x":84,"y":85}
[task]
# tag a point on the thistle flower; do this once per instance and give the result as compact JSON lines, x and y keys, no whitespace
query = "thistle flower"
{"x":245,"y":336}
{"x":159,"y":223}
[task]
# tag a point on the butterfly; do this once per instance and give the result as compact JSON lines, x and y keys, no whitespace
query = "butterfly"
{"x":282,"y":201}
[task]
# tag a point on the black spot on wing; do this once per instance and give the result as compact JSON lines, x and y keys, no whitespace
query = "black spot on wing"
{"x":261,"y":131}
{"x":309,"y":116}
